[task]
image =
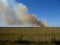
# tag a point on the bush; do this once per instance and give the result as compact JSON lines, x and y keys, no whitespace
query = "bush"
{"x":23,"y":41}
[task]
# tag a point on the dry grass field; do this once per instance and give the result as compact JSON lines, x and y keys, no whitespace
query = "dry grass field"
{"x":36,"y":35}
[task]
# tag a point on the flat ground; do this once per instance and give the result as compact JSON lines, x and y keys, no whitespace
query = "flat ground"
{"x":36,"y":34}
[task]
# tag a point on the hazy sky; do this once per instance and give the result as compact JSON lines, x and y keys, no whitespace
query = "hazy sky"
{"x":45,"y":9}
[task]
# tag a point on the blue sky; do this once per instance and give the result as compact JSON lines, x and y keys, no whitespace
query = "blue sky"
{"x":44,"y":9}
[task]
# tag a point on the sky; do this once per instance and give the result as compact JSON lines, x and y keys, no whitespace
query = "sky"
{"x":48,"y":10}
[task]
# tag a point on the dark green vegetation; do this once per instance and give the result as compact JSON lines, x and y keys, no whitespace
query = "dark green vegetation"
{"x":30,"y":36}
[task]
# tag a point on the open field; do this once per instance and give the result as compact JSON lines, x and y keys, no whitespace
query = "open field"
{"x":36,"y":35}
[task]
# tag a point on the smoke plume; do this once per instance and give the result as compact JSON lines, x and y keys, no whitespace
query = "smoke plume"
{"x":18,"y":15}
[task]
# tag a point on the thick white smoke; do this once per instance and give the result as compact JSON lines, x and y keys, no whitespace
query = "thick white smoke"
{"x":18,"y":16}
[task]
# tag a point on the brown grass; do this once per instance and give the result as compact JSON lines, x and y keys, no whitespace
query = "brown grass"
{"x":31,"y":34}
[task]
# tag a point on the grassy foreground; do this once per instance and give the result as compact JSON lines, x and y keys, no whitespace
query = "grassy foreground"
{"x":29,"y":36}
